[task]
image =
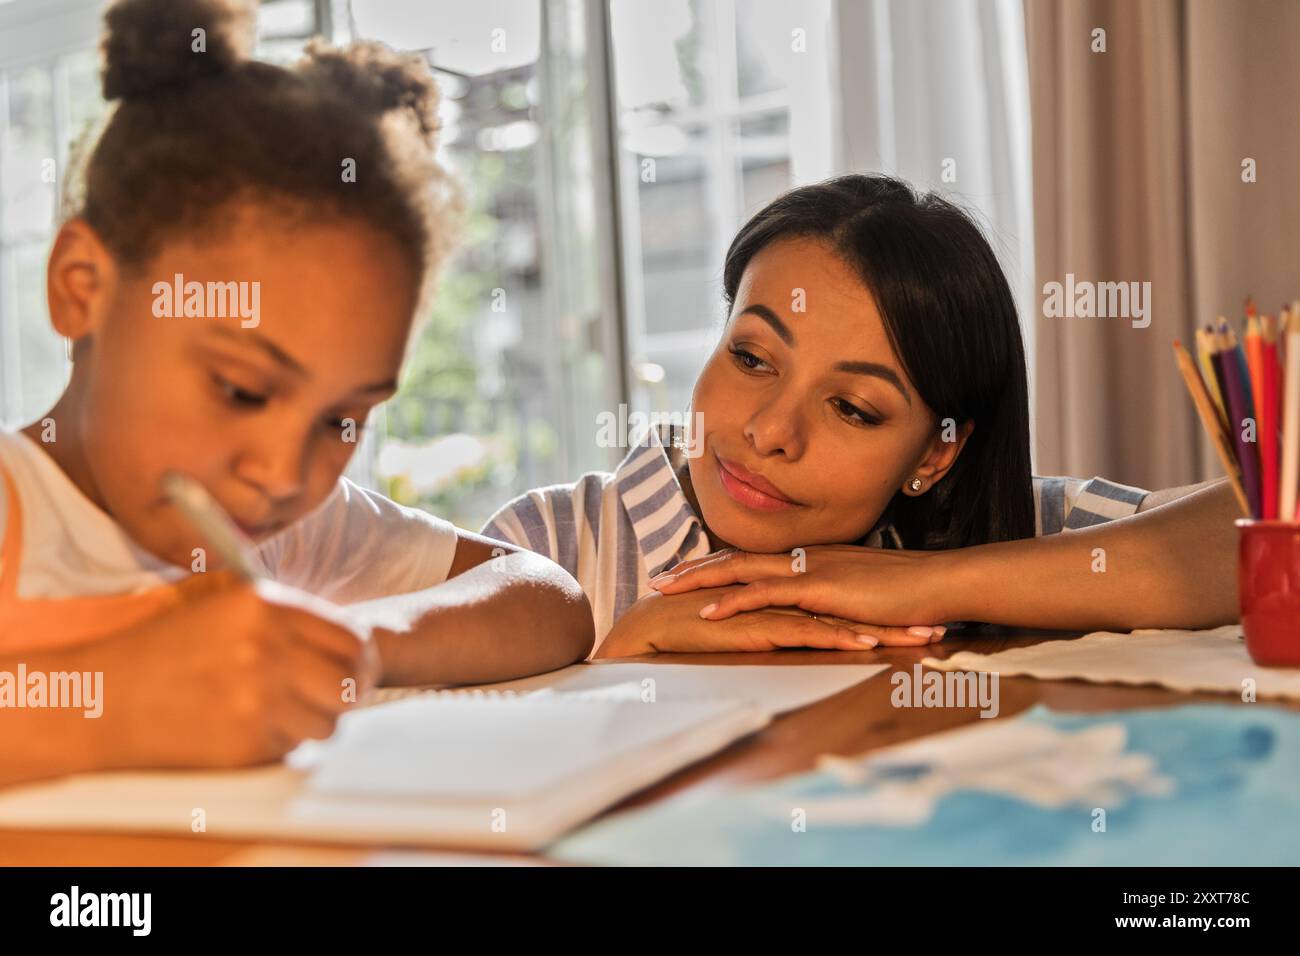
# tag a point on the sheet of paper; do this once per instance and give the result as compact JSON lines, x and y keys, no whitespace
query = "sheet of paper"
{"x":1213,"y":660}
{"x":613,"y":727}
{"x":776,"y":688}
{"x":432,"y":771}
{"x":443,"y":746}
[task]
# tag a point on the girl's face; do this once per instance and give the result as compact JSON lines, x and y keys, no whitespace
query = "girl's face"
{"x":810,"y":424}
{"x":257,"y":413}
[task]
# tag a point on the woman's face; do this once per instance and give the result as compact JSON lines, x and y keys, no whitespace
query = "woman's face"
{"x":810,"y":424}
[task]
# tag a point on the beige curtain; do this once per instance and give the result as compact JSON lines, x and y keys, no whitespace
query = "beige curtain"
{"x":1137,"y":166}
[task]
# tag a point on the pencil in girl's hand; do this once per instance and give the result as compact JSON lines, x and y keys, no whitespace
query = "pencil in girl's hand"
{"x":1287,"y":510}
{"x":1210,"y":420}
{"x":212,"y":523}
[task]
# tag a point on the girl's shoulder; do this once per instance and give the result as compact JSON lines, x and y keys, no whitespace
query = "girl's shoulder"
{"x":7,"y":454}
{"x":359,"y":544}
{"x":1063,"y":503}
{"x":68,"y":546}
{"x":21,"y":461}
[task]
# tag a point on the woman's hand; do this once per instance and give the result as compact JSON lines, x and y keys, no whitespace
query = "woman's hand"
{"x":662,"y":623}
{"x":897,"y":588}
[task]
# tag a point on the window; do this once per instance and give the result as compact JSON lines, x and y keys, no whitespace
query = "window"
{"x":709,"y":93}
{"x":45,"y":102}
{"x":503,"y":386}
{"x":50,"y":96}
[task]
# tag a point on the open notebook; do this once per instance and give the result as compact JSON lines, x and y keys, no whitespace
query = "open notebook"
{"x":510,"y":769}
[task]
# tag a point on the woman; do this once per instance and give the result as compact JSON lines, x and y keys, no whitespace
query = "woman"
{"x":862,"y":454}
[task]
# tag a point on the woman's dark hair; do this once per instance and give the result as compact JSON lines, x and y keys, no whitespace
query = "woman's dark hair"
{"x":195,"y":125}
{"x":952,"y":322}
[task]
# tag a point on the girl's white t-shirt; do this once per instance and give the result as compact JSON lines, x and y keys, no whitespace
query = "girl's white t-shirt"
{"x":357,"y":545}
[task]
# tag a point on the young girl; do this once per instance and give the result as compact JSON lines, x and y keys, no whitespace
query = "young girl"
{"x":862,"y":456}
{"x":238,"y":272}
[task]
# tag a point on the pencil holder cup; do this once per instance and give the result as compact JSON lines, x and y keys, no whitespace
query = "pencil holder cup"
{"x":1268,"y":580}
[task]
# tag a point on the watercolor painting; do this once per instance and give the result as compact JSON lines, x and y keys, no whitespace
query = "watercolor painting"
{"x":1202,"y":784}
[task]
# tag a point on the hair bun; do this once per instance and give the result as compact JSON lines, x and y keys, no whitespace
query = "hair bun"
{"x":150,"y":45}
{"x":376,"y":79}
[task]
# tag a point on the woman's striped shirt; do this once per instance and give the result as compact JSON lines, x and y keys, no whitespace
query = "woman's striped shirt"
{"x":614,"y":531}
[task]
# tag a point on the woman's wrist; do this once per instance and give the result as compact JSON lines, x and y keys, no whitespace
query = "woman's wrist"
{"x":956,"y":580}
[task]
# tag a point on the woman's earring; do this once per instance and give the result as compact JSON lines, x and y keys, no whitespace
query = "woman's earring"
{"x":915,"y":485}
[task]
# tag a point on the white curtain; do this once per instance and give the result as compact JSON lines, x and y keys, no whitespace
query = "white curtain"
{"x":937,"y":93}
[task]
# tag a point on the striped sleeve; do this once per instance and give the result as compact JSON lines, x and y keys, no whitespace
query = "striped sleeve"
{"x":1066,"y":504}
{"x":560,"y":522}
{"x":527,"y":522}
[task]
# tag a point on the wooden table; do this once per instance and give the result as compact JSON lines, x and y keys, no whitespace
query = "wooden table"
{"x":854,"y":721}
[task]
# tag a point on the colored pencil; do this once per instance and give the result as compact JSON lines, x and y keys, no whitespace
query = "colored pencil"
{"x":1247,"y":396}
{"x":1218,"y":354}
{"x":1238,"y":355}
{"x":1239,"y":410}
{"x":212,"y":523}
{"x":1268,"y":416}
{"x":1291,"y":419}
{"x":1210,"y":421}
{"x":1251,"y":343}
{"x":1204,"y":351}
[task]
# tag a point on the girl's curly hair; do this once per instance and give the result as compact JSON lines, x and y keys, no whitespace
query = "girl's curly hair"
{"x":196,"y":124}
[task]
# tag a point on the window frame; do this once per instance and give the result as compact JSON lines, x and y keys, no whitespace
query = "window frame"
{"x":34,"y":34}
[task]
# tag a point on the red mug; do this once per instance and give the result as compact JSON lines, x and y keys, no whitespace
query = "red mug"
{"x":1268,"y":580}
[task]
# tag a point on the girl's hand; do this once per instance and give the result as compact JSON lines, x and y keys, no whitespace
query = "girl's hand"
{"x":662,"y":623}
{"x":859,"y":584}
{"x":238,"y":674}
